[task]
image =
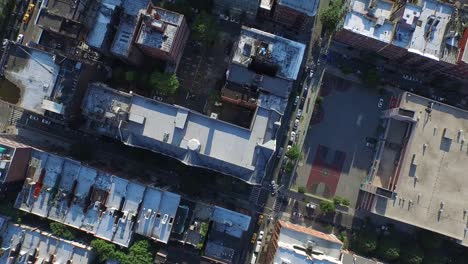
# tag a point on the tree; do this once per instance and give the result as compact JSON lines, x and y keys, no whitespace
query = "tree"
{"x":344,"y":238}
{"x":294,"y":153}
{"x":412,"y":253}
{"x":104,"y":250}
{"x":337,"y":200}
{"x":163,"y":83}
{"x":139,"y":252}
{"x":205,"y":29}
{"x":331,"y":16}
{"x":319,"y":100}
{"x":364,"y":242}
{"x":288,"y":168}
{"x":301,"y":189}
{"x":388,"y":249}
{"x":327,"y":207}
{"x":61,"y":230}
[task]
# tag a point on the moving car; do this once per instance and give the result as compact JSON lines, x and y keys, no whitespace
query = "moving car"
{"x":26,"y":18}
{"x":20,"y":38}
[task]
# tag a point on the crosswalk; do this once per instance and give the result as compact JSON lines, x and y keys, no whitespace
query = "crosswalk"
{"x":15,"y":116}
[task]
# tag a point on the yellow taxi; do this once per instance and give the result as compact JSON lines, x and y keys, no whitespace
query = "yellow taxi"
{"x":26,"y":18}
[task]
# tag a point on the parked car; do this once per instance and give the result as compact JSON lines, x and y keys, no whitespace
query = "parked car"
{"x":45,"y":121}
{"x":259,"y":222}
{"x":296,"y":101}
{"x":296,"y":123}
{"x":293,"y":136}
{"x":258,"y":247}
{"x":254,"y":238}
{"x":260,"y":235}
{"x":299,"y":113}
{"x":380,"y":103}
{"x":32,"y":117}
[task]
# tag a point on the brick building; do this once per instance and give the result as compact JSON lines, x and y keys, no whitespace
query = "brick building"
{"x":297,"y":14}
{"x":162,"y":34}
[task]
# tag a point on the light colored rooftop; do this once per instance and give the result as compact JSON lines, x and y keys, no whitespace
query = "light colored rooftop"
{"x":194,"y":138}
{"x":406,"y":25}
{"x":157,"y":214}
{"x":266,"y":4}
{"x":299,"y":236}
{"x":308,"y":7}
{"x":379,"y":29}
{"x":285,"y":53}
{"x":374,"y":9}
{"x":433,"y":171}
{"x":429,"y":34}
{"x":48,"y":247}
{"x":34,"y":73}
{"x":93,"y":201}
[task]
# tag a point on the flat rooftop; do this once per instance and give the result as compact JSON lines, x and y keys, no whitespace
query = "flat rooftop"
{"x":243,"y":76}
{"x":293,"y":239}
{"x":407,"y":25}
{"x":308,"y":7}
{"x":127,"y":28}
{"x":429,"y":34}
{"x":431,"y":185}
{"x":159,"y":28}
{"x":69,"y":9}
{"x":98,"y":33}
{"x":93,"y":201}
{"x":47,"y":82}
{"x":191,"y":137}
{"x":281,"y":53}
{"x":379,"y":29}
{"x":23,"y":243}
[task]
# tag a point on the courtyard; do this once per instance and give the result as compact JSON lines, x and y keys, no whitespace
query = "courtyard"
{"x":337,"y":155}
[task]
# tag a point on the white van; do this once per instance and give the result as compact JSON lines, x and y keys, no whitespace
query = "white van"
{"x":253,"y":260}
{"x":258,"y":247}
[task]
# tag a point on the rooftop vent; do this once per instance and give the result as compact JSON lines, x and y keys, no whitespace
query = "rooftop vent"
{"x":194,"y":144}
{"x":166,"y":136}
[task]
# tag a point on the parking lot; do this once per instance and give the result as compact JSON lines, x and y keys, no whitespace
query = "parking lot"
{"x":336,"y":158}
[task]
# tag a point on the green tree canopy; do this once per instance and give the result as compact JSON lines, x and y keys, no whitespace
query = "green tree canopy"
{"x":412,"y":253}
{"x":139,"y":252}
{"x":388,"y":249}
{"x":294,"y":153}
{"x":61,"y":230}
{"x":163,"y":83}
{"x":104,"y":250}
{"x":205,"y":29}
{"x":364,"y":242}
{"x":331,"y":16}
{"x":327,"y":207}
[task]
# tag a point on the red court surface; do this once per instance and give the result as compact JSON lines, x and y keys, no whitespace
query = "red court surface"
{"x":326,"y":170}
